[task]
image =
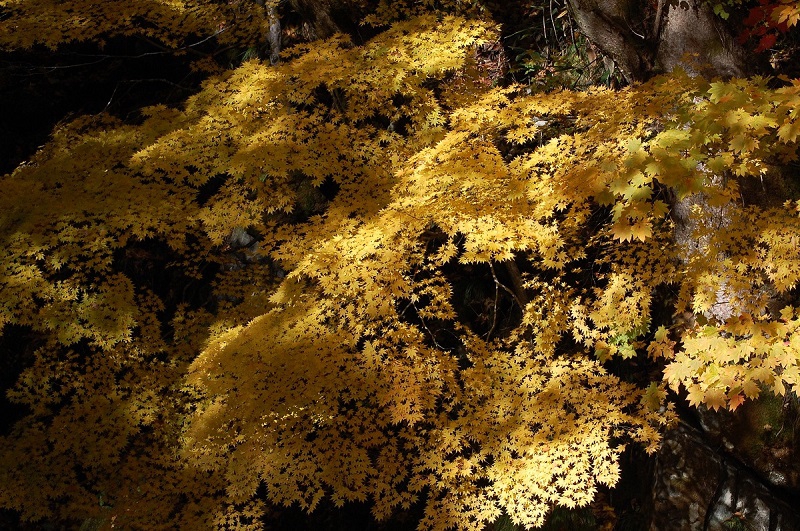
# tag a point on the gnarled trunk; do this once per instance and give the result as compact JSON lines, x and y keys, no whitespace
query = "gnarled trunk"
{"x":711,"y":491}
{"x":326,"y":17}
{"x":644,"y":40}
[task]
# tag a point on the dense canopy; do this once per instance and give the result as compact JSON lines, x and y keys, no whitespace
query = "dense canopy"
{"x":396,"y":267}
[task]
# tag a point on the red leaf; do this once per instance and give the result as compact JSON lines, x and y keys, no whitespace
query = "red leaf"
{"x":755,"y":16}
{"x":766,"y":42}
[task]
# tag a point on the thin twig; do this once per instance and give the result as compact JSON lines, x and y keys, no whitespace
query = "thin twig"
{"x":516,"y":280}
{"x":657,"y":22}
{"x":553,"y":22}
{"x":494,"y":312}
{"x":433,"y":337}
{"x":134,"y":81}
{"x":506,"y":288}
{"x":163,"y":50}
{"x":111,"y":98}
{"x":544,"y":31}
{"x":402,"y":313}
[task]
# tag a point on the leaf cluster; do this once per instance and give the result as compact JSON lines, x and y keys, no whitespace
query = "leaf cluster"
{"x":172,"y":23}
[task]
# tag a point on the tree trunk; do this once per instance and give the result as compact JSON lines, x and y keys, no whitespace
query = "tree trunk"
{"x":644,"y":40}
{"x":690,"y":35}
{"x":323,"y":18}
{"x":274,"y":34}
{"x":619,"y":29}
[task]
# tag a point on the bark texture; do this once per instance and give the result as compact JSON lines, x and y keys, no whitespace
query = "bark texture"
{"x":691,"y":36}
{"x":326,"y":17}
{"x":617,"y":27}
{"x":644,"y":40}
{"x":274,"y":33}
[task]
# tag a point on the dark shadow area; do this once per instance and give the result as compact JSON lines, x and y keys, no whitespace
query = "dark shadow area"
{"x":40,"y":88}
{"x":632,"y":496}
{"x":350,"y":517}
{"x":17,"y":346}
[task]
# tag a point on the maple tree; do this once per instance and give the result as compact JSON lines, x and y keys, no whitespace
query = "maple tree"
{"x":316,"y":226}
{"x":768,"y":19}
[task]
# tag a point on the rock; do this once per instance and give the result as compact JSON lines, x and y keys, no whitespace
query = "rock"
{"x":761,"y":435}
{"x":696,"y":488}
{"x":239,"y":238}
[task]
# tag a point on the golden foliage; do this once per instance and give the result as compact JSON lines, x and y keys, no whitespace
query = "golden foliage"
{"x":174,"y":23}
{"x":318,"y":369}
